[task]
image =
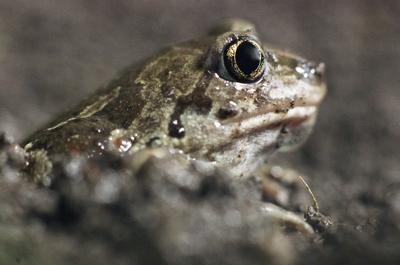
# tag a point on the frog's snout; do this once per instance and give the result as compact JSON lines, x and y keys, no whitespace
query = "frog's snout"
{"x":320,"y":69}
{"x":320,"y":75}
{"x":319,"y":72}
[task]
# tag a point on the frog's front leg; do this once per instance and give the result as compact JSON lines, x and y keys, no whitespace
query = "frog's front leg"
{"x":191,"y":175}
{"x":287,"y":219}
{"x":284,"y":194}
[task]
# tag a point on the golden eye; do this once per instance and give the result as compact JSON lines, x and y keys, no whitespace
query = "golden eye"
{"x":244,"y":60}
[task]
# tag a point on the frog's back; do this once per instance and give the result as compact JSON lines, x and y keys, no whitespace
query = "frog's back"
{"x":85,"y":127}
{"x":139,"y":91}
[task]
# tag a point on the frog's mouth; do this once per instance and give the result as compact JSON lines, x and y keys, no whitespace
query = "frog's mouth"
{"x":250,"y":134}
{"x":284,"y":130}
{"x":270,"y":119}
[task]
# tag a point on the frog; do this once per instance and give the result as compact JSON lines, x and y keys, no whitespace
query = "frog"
{"x":226,"y":99}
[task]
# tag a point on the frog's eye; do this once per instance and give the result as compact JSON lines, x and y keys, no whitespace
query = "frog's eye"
{"x":244,"y":60}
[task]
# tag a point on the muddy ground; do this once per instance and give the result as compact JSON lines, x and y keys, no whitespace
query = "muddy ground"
{"x":54,"y":54}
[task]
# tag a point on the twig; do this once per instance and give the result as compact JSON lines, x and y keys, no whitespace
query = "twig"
{"x":316,"y":206}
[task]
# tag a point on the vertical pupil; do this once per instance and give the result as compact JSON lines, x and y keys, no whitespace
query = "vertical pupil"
{"x":248,"y":57}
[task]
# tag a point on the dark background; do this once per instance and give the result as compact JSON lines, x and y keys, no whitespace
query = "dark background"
{"x":54,"y":54}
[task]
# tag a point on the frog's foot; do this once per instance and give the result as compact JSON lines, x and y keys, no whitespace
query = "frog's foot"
{"x":285,"y":193}
{"x":286,"y":198}
{"x":289,"y":220}
{"x":282,"y":187}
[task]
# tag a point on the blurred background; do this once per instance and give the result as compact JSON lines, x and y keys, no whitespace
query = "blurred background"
{"x":54,"y":53}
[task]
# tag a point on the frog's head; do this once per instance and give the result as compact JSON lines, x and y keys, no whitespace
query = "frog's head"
{"x":236,"y":100}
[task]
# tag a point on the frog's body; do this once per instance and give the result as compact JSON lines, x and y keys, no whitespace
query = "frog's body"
{"x":186,"y":98}
{"x":225,"y":98}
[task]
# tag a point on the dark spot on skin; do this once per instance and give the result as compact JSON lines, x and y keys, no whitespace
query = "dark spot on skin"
{"x":196,"y":100}
{"x":176,"y":129}
{"x":152,"y":141}
{"x":175,"y":123}
{"x":225,"y":113}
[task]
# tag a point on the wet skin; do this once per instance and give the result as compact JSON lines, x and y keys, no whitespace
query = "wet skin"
{"x":224,"y":98}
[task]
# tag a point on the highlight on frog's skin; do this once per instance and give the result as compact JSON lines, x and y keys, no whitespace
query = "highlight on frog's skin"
{"x":244,"y":60}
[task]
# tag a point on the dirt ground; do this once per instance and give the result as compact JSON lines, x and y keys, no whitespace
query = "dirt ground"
{"x":53,"y":54}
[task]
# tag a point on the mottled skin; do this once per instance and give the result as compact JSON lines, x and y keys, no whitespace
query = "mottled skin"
{"x":183,"y":98}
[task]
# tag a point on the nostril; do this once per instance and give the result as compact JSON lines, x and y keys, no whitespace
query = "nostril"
{"x":225,"y":113}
